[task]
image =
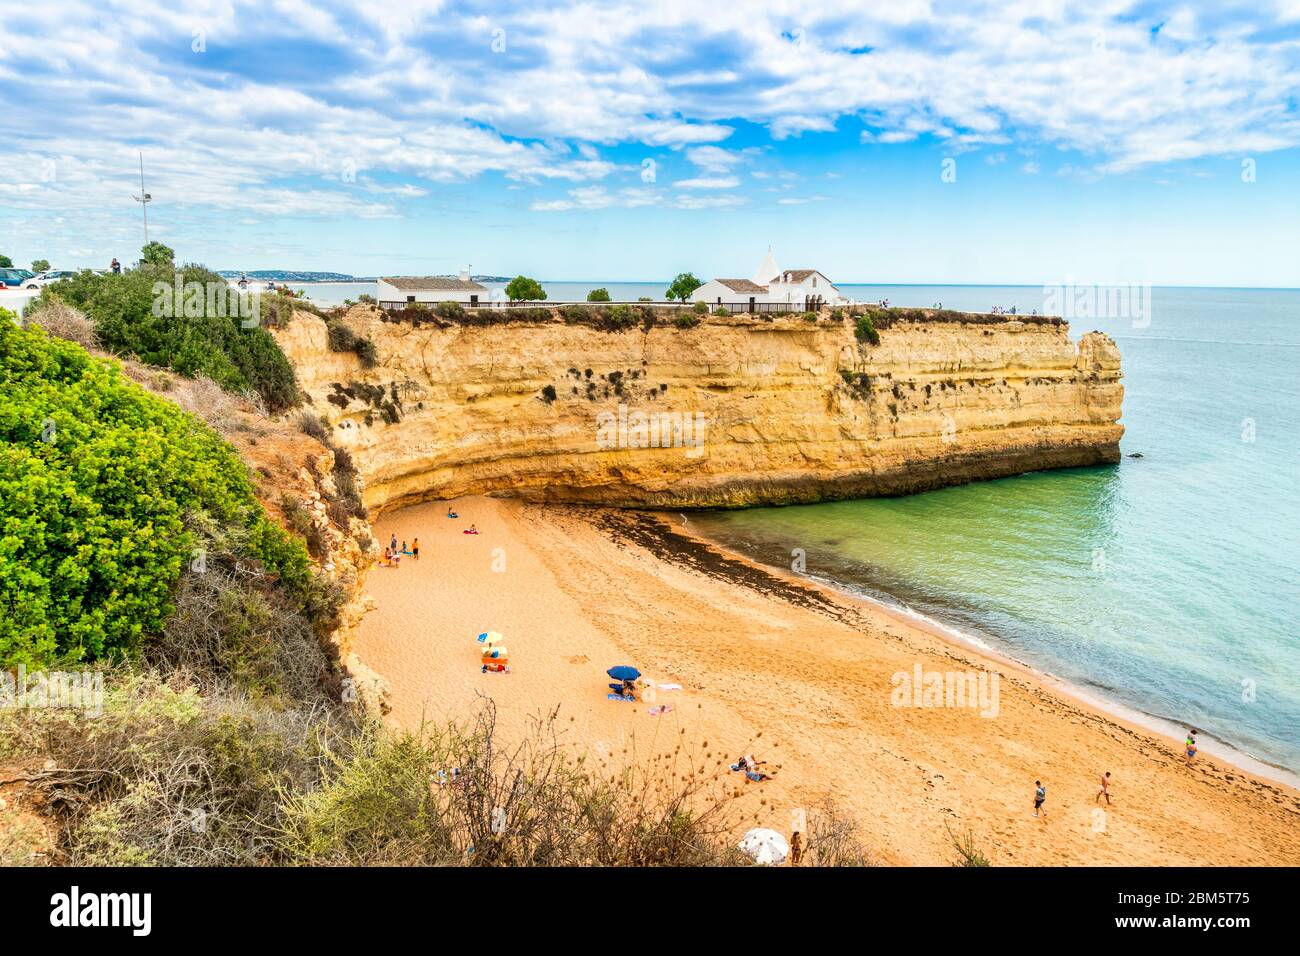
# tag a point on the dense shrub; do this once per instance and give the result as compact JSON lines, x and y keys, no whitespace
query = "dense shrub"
{"x":344,"y":339}
{"x":621,"y":317}
{"x":865,"y":330}
{"x":100,"y":485}
{"x":216,"y":345}
{"x":598,"y":295}
{"x":700,"y":308}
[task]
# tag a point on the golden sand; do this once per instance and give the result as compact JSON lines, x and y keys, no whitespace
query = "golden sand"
{"x":797,"y":676}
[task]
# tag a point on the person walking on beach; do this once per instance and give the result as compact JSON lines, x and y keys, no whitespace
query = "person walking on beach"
{"x":1104,"y":791}
{"x":392,"y":545}
{"x":1040,"y":794}
{"x":415,"y":547}
{"x":1191,"y":746}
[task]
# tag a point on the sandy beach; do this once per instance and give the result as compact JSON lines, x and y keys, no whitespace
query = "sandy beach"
{"x":799,"y":676}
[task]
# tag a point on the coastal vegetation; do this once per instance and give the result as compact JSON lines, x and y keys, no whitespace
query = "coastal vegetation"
{"x":598,"y":295}
{"x":344,"y":339}
{"x":109,"y":496}
{"x":865,"y":329}
{"x":199,"y":335}
{"x":524,"y":289}
{"x":682,"y":286}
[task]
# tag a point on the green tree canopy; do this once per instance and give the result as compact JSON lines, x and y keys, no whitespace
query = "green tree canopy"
{"x":99,"y":485}
{"x":522,"y":288}
{"x":683,"y":286}
{"x":598,"y":295}
{"x":6,"y":262}
{"x":157,"y":254}
{"x":40,"y":265}
{"x":193,"y":334}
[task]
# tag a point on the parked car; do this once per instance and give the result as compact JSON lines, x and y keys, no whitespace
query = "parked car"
{"x":49,"y":275}
{"x":14,"y":278}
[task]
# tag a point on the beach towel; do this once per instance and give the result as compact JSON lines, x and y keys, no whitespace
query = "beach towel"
{"x":660,"y":709}
{"x":620,"y":697}
{"x":670,"y":686}
{"x":467,"y":531}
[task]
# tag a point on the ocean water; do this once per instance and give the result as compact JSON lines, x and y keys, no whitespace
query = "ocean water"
{"x":1170,"y":583}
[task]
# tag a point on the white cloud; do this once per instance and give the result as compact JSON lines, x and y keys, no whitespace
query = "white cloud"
{"x":708,"y":182}
{"x":289,"y":91}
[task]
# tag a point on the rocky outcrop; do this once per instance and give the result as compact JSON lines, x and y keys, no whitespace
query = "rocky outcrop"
{"x":734,"y":411}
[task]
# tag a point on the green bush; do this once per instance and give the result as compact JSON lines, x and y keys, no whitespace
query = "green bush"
{"x":344,"y":339}
{"x":686,"y":321}
{"x":452,"y":311}
{"x":598,"y":295}
{"x":621,"y":317}
{"x":100,"y":484}
{"x":866,"y":330}
{"x":700,"y":308}
{"x":522,"y":288}
{"x":218,"y":346}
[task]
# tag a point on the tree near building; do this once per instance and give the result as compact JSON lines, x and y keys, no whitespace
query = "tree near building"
{"x":6,"y":262}
{"x":522,"y":289}
{"x":157,"y":254}
{"x":683,"y":286}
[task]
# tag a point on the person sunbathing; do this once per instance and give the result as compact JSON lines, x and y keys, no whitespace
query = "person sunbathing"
{"x":470,"y":530}
{"x":451,"y":514}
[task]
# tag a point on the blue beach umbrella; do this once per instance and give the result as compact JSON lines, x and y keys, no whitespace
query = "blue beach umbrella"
{"x":623,"y":672}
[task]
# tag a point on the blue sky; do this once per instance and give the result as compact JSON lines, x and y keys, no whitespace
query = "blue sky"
{"x":1098,"y":142}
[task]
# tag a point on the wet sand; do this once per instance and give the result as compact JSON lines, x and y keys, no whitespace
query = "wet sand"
{"x":797,"y":675}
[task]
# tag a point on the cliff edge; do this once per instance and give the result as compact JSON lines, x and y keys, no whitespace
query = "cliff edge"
{"x":733,"y":411}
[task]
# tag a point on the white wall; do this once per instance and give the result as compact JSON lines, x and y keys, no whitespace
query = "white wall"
{"x":713,"y":290}
{"x":387,"y":293}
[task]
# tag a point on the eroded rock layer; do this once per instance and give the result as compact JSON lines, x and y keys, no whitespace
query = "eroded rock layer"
{"x":734,"y":411}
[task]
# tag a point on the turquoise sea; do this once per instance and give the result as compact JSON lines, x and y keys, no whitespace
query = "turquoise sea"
{"x":1168,"y":584}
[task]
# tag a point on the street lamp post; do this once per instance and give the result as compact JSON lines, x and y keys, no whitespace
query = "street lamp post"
{"x":144,"y":199}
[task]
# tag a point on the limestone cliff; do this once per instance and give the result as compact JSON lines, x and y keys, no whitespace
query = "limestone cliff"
{"x":752,"y":410}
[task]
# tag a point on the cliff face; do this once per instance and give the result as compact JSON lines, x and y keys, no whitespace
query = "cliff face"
{"x":735,"y":411}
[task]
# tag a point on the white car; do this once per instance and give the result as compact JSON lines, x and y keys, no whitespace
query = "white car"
{"x":45,"y":278}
